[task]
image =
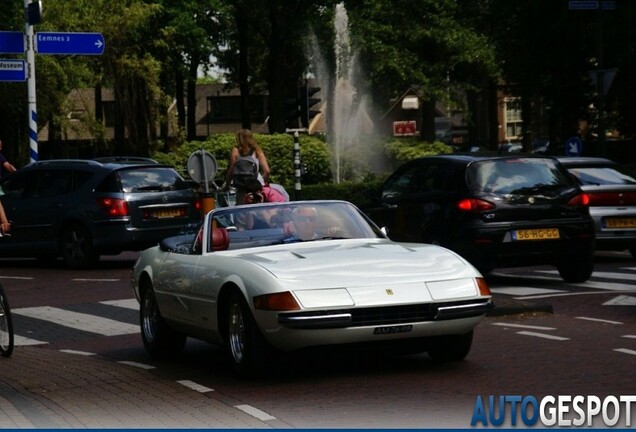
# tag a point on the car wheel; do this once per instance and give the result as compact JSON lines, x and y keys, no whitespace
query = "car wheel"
{"x":248,"y":351}
{"x":450,"y":348}
{"x":576,"y":271}
{"x":76,"y":247}
{"x":159,"y":339}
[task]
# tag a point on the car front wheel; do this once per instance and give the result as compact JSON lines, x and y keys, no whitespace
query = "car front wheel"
{"x":248,"y":351}
{"x":451,"y":348}
{"x":159,"y":339}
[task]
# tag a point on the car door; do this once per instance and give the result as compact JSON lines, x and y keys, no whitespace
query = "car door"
{"x":416,"y":200}
{"x":35,"y":200}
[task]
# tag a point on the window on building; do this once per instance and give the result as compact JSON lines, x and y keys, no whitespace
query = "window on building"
{"x":513,"y":119}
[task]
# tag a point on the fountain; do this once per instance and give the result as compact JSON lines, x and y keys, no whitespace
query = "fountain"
{"x":347,"y":116}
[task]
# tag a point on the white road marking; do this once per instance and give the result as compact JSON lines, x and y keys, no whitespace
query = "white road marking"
{"x":629,"y":336}
{"x":17,"y":277}
{"x":94,"y":280}
{"x":542,"y":335}
{"x":124,"y":303}
{"x":23,"y":341}
{"x":625,"y":351}
{"x":79,"y":321}
{"x":138,"y":365}
{"x":194,"y":386}
{"x":524,"y":291}
{"x":599,"y":320}
{"x":523,"y":326}
{"x":255,"y":412}
{"x":621,"y":300}
{"x":84,"y":353}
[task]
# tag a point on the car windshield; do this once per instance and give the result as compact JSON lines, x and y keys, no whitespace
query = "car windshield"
{"x":516,"y":175}
{"x":603,"y":175}
{"x":290,"y":222}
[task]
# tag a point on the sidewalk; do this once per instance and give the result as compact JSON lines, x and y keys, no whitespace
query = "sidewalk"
{"x":44,"y":388}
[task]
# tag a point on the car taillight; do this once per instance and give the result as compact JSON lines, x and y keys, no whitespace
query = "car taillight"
{"x":580,"y":200}
{"x":473,"y":204}
{"x":114,"y":206}
{"x":612,"y":198}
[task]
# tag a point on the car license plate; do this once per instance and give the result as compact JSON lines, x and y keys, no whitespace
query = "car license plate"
{"x":392,"y":329}
{"x":166,"y":213}
{"x":536,"y":234}
{"x":620,"y":223}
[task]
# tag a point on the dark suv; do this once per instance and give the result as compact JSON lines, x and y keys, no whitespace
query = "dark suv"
{"x":495,"y":211}
{"x":81,"y":209}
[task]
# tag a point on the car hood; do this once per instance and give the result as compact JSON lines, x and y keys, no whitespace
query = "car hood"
{"x":360,"y":262}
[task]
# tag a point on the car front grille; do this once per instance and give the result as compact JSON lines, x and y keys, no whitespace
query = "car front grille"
{"x":385,"y":315}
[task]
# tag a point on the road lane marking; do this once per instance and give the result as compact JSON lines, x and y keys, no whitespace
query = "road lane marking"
{"x":542,"y":335}
{"x":621,"y":300}
{"x":79,"y":321}
{"x":94,"y":280}
{"x":599,"y":320}
{"x":625,"y":351}
{"x":17,"y":277}
{"x":194,"y":386}
{"x":629,"y":336}
{"x":255,"y":412}
{"x":136,"y":364}
{"x":84,"y":353}
{"x":24,"y":341}
{"x":124,"y":303}
{"x":524,"y":291}
{"x":523,"y":326}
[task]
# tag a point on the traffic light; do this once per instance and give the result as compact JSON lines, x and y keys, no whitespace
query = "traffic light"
{"x":306,"y":103}
{"x":292,"y":113}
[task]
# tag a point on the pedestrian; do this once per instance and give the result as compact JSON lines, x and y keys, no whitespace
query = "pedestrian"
{"x":247,"y":161}
{"x":5,"y":225}
{"x":5,"y":166}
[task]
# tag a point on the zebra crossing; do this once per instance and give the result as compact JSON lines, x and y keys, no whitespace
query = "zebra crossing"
{"x":120,"y":317}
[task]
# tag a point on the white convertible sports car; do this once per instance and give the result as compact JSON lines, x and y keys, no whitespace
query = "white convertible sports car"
{"x":265,"y":279}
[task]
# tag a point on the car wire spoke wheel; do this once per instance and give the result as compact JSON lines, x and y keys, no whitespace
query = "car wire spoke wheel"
{"x":236,"y":331}
{"x":6,"y":326}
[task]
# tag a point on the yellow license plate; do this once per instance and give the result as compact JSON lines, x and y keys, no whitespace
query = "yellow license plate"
{"x":536,"y":234}
{"x":166,"y":213}
{"x":620,"y":223}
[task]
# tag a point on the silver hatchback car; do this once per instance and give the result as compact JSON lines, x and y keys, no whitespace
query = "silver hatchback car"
{"x":612,"y":190}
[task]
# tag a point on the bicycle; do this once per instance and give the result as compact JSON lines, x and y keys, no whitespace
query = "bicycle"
{"x":6,"y":325}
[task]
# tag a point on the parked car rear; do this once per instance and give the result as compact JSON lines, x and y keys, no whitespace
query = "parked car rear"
{"x":612,"y":191}
{"x":495,"y":211}
{"x":81,"y":209}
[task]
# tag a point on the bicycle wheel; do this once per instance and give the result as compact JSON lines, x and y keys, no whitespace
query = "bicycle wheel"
{"x":6,"y":326}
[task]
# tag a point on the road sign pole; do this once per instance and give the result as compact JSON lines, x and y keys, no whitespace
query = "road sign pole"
{"x":32,"y":110}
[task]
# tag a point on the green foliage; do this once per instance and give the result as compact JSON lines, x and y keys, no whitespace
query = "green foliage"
{"x":401,"y":150}
{"x":278,"y":148}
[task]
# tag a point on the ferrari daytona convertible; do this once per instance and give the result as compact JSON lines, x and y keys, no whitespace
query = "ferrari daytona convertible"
{"x":266,"y":279}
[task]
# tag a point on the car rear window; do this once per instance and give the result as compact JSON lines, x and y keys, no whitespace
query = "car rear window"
{"x":603,"y":175}
{"x":503,"y":176}
{"x":143,"y":179}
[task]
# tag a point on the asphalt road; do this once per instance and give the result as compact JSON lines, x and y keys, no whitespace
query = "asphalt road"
{"x":79,"y":361}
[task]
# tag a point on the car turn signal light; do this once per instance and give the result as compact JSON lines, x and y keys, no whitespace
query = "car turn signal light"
{"x":581,"y":200}
{"x":483,"y":287}
{"x":283,"y":301}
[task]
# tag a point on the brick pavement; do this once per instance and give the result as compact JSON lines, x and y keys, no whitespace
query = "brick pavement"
{"x":44,"y":388}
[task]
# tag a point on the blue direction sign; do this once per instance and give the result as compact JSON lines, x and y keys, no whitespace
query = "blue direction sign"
{"x":69,"y":43}
{"x":13,"y":70}
{"x":11,"y":42}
